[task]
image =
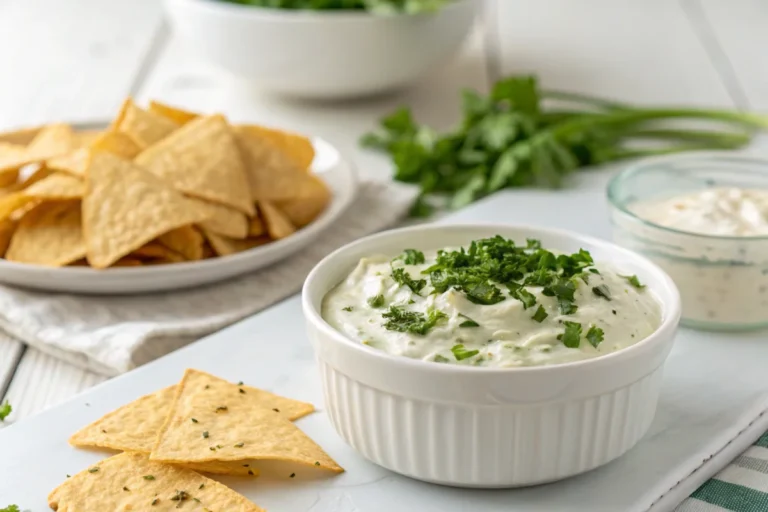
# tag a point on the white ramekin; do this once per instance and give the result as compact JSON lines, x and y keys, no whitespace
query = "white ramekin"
{"x":321,"y":54}
{"x":485,"y":427}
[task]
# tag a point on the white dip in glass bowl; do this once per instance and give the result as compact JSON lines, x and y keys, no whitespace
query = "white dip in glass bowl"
{"x":481,"y":425}
{"x":703,"y":218}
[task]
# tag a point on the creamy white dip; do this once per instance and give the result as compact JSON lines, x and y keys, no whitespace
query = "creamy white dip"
{"x":723,"y":282}
{"x":505,"y":334}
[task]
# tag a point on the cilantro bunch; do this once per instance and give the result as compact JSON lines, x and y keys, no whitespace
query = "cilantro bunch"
{"x":513,"y":138}
{"x":383,"y":7}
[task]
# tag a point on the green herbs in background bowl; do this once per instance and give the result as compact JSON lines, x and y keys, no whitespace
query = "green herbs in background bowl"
{"x":383,"y":7}
{"x":513,"y":138}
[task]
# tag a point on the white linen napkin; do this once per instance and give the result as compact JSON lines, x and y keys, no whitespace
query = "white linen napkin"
{"x":111,"y":335}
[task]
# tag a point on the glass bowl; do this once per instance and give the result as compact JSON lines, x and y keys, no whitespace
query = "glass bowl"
{"x":723,"y":280}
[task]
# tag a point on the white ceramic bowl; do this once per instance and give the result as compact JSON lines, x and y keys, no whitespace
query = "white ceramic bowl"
{"x":320,"y":54}
{"x":486,"y":427}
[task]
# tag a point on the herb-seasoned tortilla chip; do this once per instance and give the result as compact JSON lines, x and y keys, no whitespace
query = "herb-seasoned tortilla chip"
{"x":312,"y":197}
{"x":224,"y":246}
{"x":22,"y":136}
{"x":7,"y":227}
{"x":125,"y":207}
{"x":177,"y":115}
{"x":230,"y":426}
{"x":223,"y":220}
{"x":297,"y":147}
{"x":146,"y":128}
{"x":130,"y":481}
{"x":201,"y":159}
{"x":50,"y":234}
{"x":278,"y":225}
{"x":185,"y":240}
{"x":134,"y":426}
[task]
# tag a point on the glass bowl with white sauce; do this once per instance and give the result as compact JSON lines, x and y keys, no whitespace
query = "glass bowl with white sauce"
{"x":703,"y":218}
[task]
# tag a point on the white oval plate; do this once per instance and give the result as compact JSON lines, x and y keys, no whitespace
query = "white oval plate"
{"x":329,"y":165}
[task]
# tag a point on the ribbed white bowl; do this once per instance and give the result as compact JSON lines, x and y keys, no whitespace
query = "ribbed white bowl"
{"x":487,"y":427}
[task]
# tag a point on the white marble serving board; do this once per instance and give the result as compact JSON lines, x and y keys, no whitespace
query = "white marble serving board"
{"x":715,"y":387}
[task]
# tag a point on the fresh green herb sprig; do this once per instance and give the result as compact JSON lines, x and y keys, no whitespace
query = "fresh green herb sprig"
{"x":383,"y":7}
{"x":10,"y":508}
{"x":5,"y":410}
{"x":511,"y":138}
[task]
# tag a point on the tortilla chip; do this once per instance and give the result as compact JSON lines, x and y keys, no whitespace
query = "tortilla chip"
{"x":239,"y":428}
{"x":186,"y":241}
{"x":177,"y":115}
{"x":39,"y":174}
{"x":312,"y":197}
{"x":126,"y":261}
{"x":7,"y":228}
{"x":134,"y":426}
{"x":146,"y":128}
{"x":278,"y":225}
{"x":125,"y":207}
{"x":9,"y":177}
{"x":85,"y":138}
{"x":297,"y":147}
{"x":12,"y":157}
{"x":157,"y":251}
{"x":76,"y":162}
{"x":272,"y":175}
{"x":224,"y":246}
{"x":57,"y":186}
{"x":201,"y":159}
{"x":223,"y":220}
{"x":12,"y":203}
{"x":22,"y":136}
{"x":129,"y":481}
{"x":53,"y":140}
{"x":50,"y":234}
{"x":256,"y":227}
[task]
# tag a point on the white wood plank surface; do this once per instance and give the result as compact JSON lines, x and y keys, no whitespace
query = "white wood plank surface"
{"x":10,"y":355}
{"x":637,"y":51}
{"x":72,"y":60}
{"x":741,"y":31}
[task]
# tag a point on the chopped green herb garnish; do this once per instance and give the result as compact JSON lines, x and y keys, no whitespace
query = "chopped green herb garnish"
{"x":567,"y":307}
{"x":10,"y":508}
{"x":348,"y":308}
{"x":317,"y":463}
{"x":155,"y":501}
{"x":180,"y":496}
{"x":461,"y":353}
{"x":5,"y":410}
{"x":201,"y":486}
{"x":602,"y":291}
{"x":634,"y":281}
{"x":194,"y":420}
{"x":293,"y":475}
{"x":239,"y":445}
{"x":540,"y":314}
{"x":411,"y":257}
{"x":401,"y":277}
{"x":595,"y":336}
{"x":126,"y":489}
{"x":440,"y":359}
{"x":571,"y":338}
{"x":517,"y":291}
{"x":276,"y":409}
{"x":93,"y":470}
{"x":205,"y":434}
{"x":222,"y":408}
{"x":401,"y":320}
{"x":376,"y":301}
{"x":149,"y":477}
{"x":468,"y":322}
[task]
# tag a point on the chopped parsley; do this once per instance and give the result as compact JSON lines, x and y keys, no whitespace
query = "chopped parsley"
{"x":634,"y":281}
{"x":205,"y":434}
{"x":602,"y":291}
{"x":126,"y":489}
{"x":440,"y":359}
{"x":461,"y":353}
{"x":376,"y":301}
{"x":222,"y":408}
{"x":155,"y":501}
{"x":567,"y":307}
{"x":517,"y":291}
{"x":401,"y":320}
{"x":348,"y":308}
{"x":468,"y":322}
{"x":201,"y":486}
{"x":180,"y":496}
{"x":540,"y":314}
{"x":10,"y":508}
{"x":595,"y":336}
{"x":403,"y":278}
{"x":571,"y":338}
{"x":241,"y":391}
{"x":411,"y":257}
{"x":149,"y":477}
{"x":5,"y":410}
{"x":317,"y":463}
{"x":194,"y":420}
{"x":239,"y":445}
{"x":293,"y":475}
{"x":93,"y":470}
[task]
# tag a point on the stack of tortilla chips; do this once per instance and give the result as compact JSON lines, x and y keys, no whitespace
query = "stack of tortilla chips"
{"x":160,"y":185}
{"x":203,"y":424}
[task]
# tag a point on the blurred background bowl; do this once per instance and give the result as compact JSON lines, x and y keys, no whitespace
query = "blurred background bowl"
{"x":321,"y":54}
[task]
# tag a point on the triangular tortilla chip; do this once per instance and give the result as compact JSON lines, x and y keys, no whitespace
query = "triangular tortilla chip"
{"x":84,"y":138}
{"x":312,"y":197}
{"x":224,"y":246}
{"x":146,"y":128}
{"x":134,"y":426}
{"x":278,"y":225}
{"x":185,"y":240}
{"x":12,"y":157}
{"x":50,"y":234}
{"x":230,"y":426}
{"x":201,"y":159}
{"x":177,"y":115}
{"x":223,"y":220}
{"x":125,"y":207}
{"x":76,"y":162}
{"x":51,"y":141}
{"x":130,"y":481}
{"x":55,"y":187}
{"x":7,"y":228}
{"x":272,"y":175}
{"x":22,"y":136}
{"x":297,"y":147}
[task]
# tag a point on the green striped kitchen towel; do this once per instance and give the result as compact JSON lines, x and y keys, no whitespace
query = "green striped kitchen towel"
{"x":741,"y":487}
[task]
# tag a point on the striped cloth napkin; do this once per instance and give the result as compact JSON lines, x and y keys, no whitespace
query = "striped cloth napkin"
{"x":741,"y":487}
{"x":111,"y":335}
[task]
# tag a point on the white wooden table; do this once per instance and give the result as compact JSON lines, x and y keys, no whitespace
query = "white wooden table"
{"x":77,"y":60}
